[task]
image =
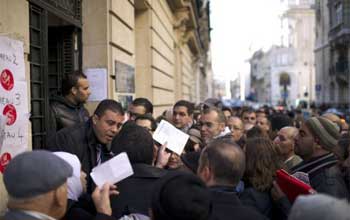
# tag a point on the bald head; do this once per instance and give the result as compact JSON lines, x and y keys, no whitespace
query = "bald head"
{"x":285,"y":140}
{"x":225,"y":160}
{"x":291,"y":132}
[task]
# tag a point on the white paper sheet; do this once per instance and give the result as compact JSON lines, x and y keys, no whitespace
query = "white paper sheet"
{"x":176,"y":139}
{"x":98,"y":83}
{"x":112,"y":171}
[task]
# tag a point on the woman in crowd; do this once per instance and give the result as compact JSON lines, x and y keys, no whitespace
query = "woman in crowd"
{"x":262,"y":162}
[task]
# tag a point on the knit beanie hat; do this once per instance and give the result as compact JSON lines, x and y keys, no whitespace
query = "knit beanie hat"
{"x":324,"y":130}
{"x":181,"y":196}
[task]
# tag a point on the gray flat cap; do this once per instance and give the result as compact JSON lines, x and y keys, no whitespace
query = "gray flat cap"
{"x":34,"y":173}
{"x":319,"y":206}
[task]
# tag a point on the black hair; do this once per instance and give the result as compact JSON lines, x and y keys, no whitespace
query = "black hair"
{"x":226,"y":108}
{"x":71,"y":80}
{"x":247,"y":110}
{"x":136,"y":141}
{"x":180,"y":196}
{"x":150,"y":118}
{"x":145,"y":103}
{"x":256,"y":132}
{"x":189,"y":106}
{"x":279,"y":121}
{"x":108,"y":104}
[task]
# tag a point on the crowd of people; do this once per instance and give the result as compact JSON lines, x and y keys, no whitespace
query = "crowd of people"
{"x":227,"y":169}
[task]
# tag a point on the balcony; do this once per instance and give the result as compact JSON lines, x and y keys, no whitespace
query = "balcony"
{"x":339,"y":25}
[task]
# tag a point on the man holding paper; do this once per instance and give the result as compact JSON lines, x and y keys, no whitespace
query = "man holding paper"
{"x":136,"y":190}
{"x":89,"y":141}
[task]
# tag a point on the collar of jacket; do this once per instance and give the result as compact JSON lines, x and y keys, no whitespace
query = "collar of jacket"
{"x":92,"y":142}
{"x":220,"y":196}
{"x":66,"y":102}
{"x":142,"y":170}
{"x":37,"y":215}
{"x":316,"y":164}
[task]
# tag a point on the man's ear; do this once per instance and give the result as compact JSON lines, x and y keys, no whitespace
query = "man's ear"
{"x":205,"y":173}
{"x":222,"y":126}
{"x":60,"y":195}
{"x":94,"y":119}
{"x":74,"y":90}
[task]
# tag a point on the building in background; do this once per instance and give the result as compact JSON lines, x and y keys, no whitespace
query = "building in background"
{"x":219,"y":88}
{"x":286,"y":74}
{"x":332,"y":52}
{"x":260,"y":77}
{"x":235,"y":87}
{"x":158,"y":49}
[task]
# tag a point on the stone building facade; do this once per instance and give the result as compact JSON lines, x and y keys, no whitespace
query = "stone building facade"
{"x":286,"y":74}
{"x":332,"y":52}
{"x":158,"y":49}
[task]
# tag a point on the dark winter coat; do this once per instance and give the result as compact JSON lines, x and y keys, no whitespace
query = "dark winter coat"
{"x":135,"y":192}
{"x":263,"y":203}
{"x":81,"y":141}
{"x":227,"y":206}
{"x":65,"y":114}
{"x":325,"y":175}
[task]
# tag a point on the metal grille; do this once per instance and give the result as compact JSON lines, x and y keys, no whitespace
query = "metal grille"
{"x":54,"y":52}
{"x":37,"y":75}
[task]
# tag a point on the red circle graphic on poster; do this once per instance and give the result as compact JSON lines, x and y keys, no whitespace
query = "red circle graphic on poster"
{"x":10,"y":113}
{"x":4,"y":161}
{"x":6,"y":79}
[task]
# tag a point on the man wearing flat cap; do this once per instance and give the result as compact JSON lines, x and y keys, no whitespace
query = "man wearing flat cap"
{"x":315,"y":143}
{"x":37,"y":186}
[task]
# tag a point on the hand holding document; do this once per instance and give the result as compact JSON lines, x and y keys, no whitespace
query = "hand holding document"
{"x":113,"y":170}
{"x":176,"y":139}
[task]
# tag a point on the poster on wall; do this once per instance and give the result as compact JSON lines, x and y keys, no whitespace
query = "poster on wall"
{"x":125,"y":100}
{"x":97,"y":78}
{"x":124,"y":78}
{"x":14,"y":112}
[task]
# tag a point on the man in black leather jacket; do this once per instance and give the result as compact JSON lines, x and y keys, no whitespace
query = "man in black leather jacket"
{"x":90,"y":141}
{"x":68,"y":110}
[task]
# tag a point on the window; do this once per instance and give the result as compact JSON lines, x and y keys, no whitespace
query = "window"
{"x":338,"y":14}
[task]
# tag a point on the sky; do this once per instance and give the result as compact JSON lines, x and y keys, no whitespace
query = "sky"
{"x":238,"y":29}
